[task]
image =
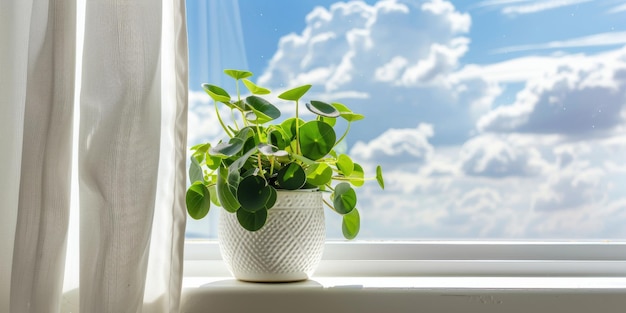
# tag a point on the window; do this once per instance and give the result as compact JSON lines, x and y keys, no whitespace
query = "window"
{"x":491,"y":119}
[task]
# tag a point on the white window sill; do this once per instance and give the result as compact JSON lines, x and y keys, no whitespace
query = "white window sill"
{"x":519,"y":284}
{"x":424,"y":277}
{"x":409,"y":294}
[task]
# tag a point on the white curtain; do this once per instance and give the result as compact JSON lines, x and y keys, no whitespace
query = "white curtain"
{"x":131,"y":156}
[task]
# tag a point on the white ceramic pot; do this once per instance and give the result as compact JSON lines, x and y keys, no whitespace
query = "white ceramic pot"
{"x":287,"y":248}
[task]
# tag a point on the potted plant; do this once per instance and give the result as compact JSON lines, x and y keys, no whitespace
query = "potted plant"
{"x":270,"y":179}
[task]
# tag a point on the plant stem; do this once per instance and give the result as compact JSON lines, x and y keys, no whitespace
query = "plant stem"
{"x":243,"y":114}
{"x":232,"y":116}
{"x":329,"y":205}
{"x":344,"y":135}
{"x":258,"y":131}
{"x":219,"y":117}
{"x":297,"y":130}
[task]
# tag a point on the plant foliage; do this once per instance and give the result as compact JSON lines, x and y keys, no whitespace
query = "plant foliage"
{"x":243,"y":172}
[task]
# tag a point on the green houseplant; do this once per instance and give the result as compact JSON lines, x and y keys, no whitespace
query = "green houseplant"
{"x":243,"y":172}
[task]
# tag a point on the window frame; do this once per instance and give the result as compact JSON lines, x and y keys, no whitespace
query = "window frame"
{"x":442,"y":258}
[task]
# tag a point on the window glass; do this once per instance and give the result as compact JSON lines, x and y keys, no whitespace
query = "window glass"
{"x":491,"y":119}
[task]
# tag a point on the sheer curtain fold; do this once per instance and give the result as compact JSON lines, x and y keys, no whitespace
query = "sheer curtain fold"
{"x":163,"y":281}
{"x":118,"y":152}
{"x":13,"y":29}
{"x":44,"y":175}
{"x":132,"y":143}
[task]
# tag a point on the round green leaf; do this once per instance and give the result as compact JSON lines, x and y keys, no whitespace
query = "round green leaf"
{"x":272,"y":200}
{"x":344,"y":198}
{"x":199,"y":150}
{"x":351,"y":117}
{"x":379,"y":177}
{"x":254,"y":89}
{"x":291,"y":177}
{"x":237,"y":74}
{"x":289,"y":127}
{"x":234,"y":145}
{"x":342,"y":108}
{"x":252,"y":221}
{"x":316,"y":139}
{"x":294,"y":94}
{"x":346,"y":113}
{"x":351,"y":224}
{"x":198,"y":200}
{"x":263,"y":109}
{"x":226,"y":192}
{"x":213,"y":193}
{"x":345,"y":164}
{"x":322,"y":108}
{"x":250,"y":143}
{"x":230,"y":148}
{"x":328,"y":120}
{"x":277,"y":138}
{"x":357,"y":178}
{"x":195,"y":171}
{"x":253,"y":193}
{"x":233,"y":178}
{"x":217,"y":93}
{"x":319,"y":174}
{"x":212,"y":162}
{"x":241,"y":161}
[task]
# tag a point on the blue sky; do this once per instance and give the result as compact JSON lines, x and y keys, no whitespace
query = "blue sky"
{"x":493,"y":119}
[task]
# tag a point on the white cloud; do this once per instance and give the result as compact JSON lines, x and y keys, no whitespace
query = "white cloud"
{"x":459,"y":22}
{"x":539,"y":6}
{"x":595,"y":40}
{"x":579,"y":99}
{"x":397,"y":146}
{"x":441,"y":60}
{"x":571,"y":188}
{"x":584,"y":196}
{"x":482,"y":212}
{"x":390,"y":71}
{"x":479,"y":200}
{"x":512,"y":70}
{"x":497,"y":157}
{"x":353,"y":40}
{"x":479,"y":92}
{"x":576,"y":194}
{"x":397,"y":55}
{"x":519,"y":7}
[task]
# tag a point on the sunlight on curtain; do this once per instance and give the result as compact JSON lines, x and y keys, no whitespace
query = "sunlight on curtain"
{"x":71,"y":277}
{"x":163,"y":279}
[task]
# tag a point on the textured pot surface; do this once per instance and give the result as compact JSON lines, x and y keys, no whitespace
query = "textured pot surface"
{"x":287,"y":248}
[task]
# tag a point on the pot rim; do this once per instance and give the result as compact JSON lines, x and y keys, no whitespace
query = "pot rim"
{"x":299,"y":190}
